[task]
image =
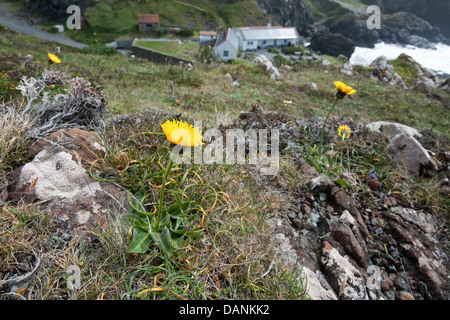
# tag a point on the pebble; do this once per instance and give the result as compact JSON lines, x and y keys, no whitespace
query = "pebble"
{"x":377,"y":261}
{"x":392,"y":269}
{"x":305,"y":209}
{"x":403,"y":295}
{"x":322,"y":196}
{"x":402,"y":284}
{"x":390,"y":295}
{"x":423,"y":287}
{"x":374,"y":184}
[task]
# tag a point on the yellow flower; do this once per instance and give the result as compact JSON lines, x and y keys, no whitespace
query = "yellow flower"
{"x":182,"y":133}
{"x":344,"y":131}
{"x":287,"y":101}
{"x":54,"y":58}
{"x":343,"y":89}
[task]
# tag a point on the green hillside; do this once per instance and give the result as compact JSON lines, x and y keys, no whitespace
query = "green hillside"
{"x":108,"y":20}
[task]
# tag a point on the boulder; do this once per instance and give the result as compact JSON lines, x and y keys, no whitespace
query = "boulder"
{"x":67,"y":192}
{"x":409,"y":153}
{"x":384,"y":71}
{"x":266,"y":63}
{"x":391,"y":129}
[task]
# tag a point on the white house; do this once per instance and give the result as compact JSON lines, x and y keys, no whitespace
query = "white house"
{"x":207,"y":35}
{"x":254,"y":38}
{"x":227,"y":45}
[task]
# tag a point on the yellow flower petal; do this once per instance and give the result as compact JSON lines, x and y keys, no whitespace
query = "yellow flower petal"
{"x":342,"y":87}
{"x":54,"y":58}
{"x":344,"y":131}
{"x":182,"y":133}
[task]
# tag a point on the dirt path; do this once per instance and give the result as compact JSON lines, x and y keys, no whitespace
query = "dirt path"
{"x":10,"y":20}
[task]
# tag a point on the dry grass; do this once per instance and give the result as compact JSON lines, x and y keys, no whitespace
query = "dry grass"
{"x":13,"y":142}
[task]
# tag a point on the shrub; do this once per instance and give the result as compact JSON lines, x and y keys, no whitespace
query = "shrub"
{"x":185,"y":32}
{"x":292,"y":49}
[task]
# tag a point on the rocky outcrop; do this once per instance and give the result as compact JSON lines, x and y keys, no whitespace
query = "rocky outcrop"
{"x":398,"y":256}
{"x":383,"y":70}
{"x":289,"y":13}
{"x":435,"y":12}
{"x":267,"y":64}
{"x":333,"y":44}
{"x":404,"y":24}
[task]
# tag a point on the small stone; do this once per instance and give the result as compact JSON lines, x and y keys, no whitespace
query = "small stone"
{"x":379,"y":230}
{"x":374,"y":184}
{"x":322,"y":196}
{"x":305,"y":209}
{"x":403,"y":295}
{"x":297,"y":222}
{"x":347,"y":218}
{"x":402,"y":284}
{"x":377,"y":261}
{"x":386,"y":283}
{"x":374,"y":221}
{"x":392,"y":269}
{"x":423,"y":287}
{"x":390,"y":295}
{"x":326,"y":245}
{"x":321,"y":183}
{"x":390,"y":201}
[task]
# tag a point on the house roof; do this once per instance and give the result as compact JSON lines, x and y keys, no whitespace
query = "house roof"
{"x":148,"y":18}
{"x":208,"y":33}
{"x":268,"y":33}
{"x":228,"y":36}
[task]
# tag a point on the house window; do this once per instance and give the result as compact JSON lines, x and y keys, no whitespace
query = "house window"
{"x":149,"y":25}
{"x":264,"y":42}
{"x":249,"y":43}
{"x":225,"y":53}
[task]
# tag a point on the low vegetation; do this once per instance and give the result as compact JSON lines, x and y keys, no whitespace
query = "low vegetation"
{"x":216,"y":215}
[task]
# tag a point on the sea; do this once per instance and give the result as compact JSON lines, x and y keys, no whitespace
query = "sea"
{"x":437,"y":59}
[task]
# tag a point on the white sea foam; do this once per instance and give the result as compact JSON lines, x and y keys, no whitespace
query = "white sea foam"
{"x":438,"y":60}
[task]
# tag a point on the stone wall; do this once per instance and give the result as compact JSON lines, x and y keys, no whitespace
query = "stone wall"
{"x":156,"y":56}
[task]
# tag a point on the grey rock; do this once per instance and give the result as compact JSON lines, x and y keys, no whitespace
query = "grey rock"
{"x":344,"y":278}
{"x":420,"y":219}
{"x":391,"y":129}
{"x":69,"y":193}
{"x":347,"y":218}
{"x":384,"y":71}
{"x":320,"y":184}
{"x":409,"y":153}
